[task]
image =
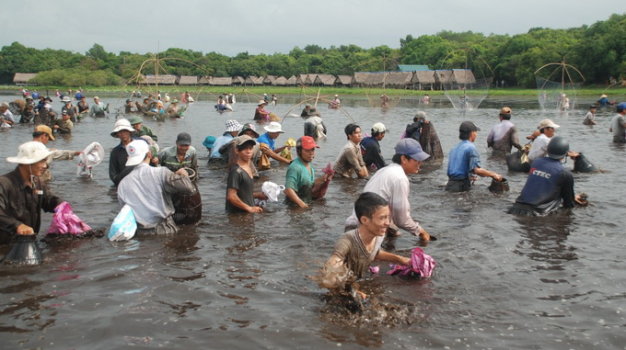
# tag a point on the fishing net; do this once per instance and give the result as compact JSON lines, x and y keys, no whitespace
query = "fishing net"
{"x":463,"y":88}
{"x":557,"y":84}
{"x":554,"y":95}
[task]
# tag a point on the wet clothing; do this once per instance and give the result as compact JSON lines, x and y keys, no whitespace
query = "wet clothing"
{"x":8,"y":116}
{"x":351,"y":250}
{"x":98,"y":110}
{"x":309,"y":113}
{"x":65,"y":126}
{"x":243,"y":183}
{"x":45,"y":116}
{"x":617,"y":126}
{"x":539,"y":147}
{"x":463,"y":159}
{"x":71,"y":110}
{"x":414,"y":130}
{"x":370,"y":149}
{"x":168,"y":158}
{"x":392,"y":184}
{"x":300,"y":179}
{"x":350,"y":160}
{"x":503,"y":137}
{"x":260,"y":114}
{"x":314,"y":127}
{"x":117,"y":164}
{"x":548,"y":185}
{"x":82,"y":106}
{"x":21,"y":204}
{"x":147,"y":190}
{"x":144,"y":130}
{"x":266,"y":139}
{"x":604,"y":101}
{"x":219,"y":142}
{"x":590,"y":118}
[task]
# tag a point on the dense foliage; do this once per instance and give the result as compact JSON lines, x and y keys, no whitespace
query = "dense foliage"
{"x":599,"y":51}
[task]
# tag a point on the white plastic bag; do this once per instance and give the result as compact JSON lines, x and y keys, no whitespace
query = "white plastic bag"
{"x":272,"y":190}
{"x":124,"y":225}
{"x":91,"y":156}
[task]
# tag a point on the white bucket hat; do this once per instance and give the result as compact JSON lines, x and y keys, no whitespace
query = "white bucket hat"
{"x":273,"y":127}
{"x":137,"y":151}
{"x":30,"y":153}
{"x":233,"y":125}
{"x":121,"y":124}
{"x":66,"y":99}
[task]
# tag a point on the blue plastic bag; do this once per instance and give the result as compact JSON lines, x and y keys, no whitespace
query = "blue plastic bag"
{"x":124,"y":225}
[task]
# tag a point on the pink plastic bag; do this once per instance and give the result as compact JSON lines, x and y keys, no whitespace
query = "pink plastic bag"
{"x":64,"y":221}
{"x":421,"y":263}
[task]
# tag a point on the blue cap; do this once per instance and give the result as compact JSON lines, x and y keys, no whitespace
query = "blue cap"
{"x":410,"y":147}
{"x":620,"y":106}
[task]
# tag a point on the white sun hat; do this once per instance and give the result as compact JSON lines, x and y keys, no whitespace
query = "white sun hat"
{"x":273,"y":127}
{"x":30,"y":153}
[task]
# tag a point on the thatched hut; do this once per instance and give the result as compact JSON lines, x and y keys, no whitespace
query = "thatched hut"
{"x":463,"y":77}
{"x":398,"y":80}
{"x":188,"y":80}
{"x":424,"y":79}
{"x":269,"y":80}
{"x":292,"y":81}
{"x":376,"y":79}
{"x":165,"y":79}
{"x":305,"y":79}
{"x":360,"y":79}
{"x":204,"y":80}
{"x":220,"y":81}
{"x":280,"y":81}
{"x":443,"y":77}
{"x":23,"y":78}
{"x":324,"y":80}
{"x":254,"y":80}
{"x":343,"y":80}
{"x":238,"y":80}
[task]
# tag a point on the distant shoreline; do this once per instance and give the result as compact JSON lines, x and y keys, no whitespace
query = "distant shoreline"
{"x":324,"y":92}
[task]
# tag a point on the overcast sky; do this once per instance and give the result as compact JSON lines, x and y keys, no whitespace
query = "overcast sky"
{"x":270,"y":26}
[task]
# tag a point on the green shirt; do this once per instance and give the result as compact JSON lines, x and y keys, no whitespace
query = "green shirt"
{"x":300,"y":179}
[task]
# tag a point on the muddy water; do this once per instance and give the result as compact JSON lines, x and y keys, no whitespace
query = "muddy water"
{"x":241,"y":281}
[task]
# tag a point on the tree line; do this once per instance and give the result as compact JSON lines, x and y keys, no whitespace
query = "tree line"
{"x":598,"y":51}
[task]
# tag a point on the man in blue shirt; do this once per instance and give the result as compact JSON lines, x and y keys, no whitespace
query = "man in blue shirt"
{"x":464,"y":161}
{"x":370,"y":147}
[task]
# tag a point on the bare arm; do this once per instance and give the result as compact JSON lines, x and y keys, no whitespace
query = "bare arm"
{"x":293,"y":196}
{"x":392,"y":258}
{"x":233,"y":198}
{"x":486,"y":173}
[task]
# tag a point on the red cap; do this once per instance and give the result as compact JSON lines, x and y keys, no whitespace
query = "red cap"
{"x":306,"y":142}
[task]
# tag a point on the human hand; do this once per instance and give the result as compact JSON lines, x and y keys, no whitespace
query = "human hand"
{"x":255,"y":210}
{"x":25,"y":230}
{"x":497,"y":177}
{"x":182,"y":172}
{"x":572,"y":154}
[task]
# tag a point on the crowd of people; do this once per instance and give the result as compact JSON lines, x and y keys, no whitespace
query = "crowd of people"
{"x":152,"y":181}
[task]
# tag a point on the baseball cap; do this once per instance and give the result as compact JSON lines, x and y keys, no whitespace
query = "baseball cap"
{"x":620,"y":107}
{"x":547,"y":123}
{"x":410,"y":147}
{"x":379,"y":128}
{"x":137,"y":151}
{"x":468,"y":126}
{"x":183,"y":139}
{"x":506,"y":110}
{"x":243,"y":139}
{"x":306,"y":142}
{"x":45,"y":129}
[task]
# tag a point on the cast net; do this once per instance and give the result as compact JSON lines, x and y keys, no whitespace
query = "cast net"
{"x":465,"y":87}
{"x":557,"y":86}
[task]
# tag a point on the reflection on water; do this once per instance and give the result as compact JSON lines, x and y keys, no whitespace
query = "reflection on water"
{"x":242,"y":280}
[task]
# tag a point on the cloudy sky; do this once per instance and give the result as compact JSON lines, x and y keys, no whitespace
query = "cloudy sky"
{"x":270,"y":26}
